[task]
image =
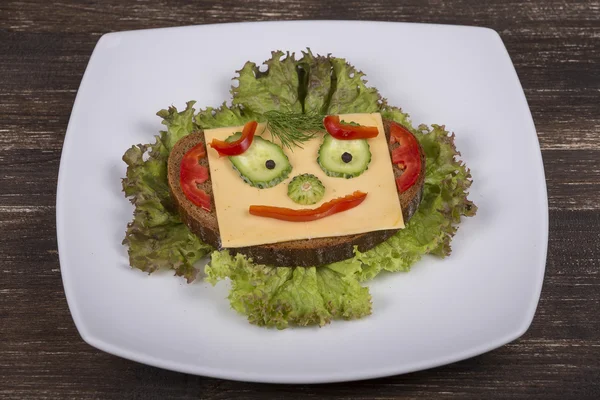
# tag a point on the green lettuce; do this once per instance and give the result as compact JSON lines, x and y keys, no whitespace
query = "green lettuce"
{"x":318,"y":78}
{"x":156,"y":238}
{"x":223,"y":116}
{"x":283,"y":296}
{"x":335,"y":87}
{"x":280,"y":296}
{"x":350,"y":94}
{"x":274,"y":89}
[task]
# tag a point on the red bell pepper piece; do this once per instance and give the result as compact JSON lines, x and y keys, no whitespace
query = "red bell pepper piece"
{"x":331,"y":207}
{"x":343,"y":131}
{"x":406,"y":155}
{"x":239,"y":146}
{"x":192,"y":174}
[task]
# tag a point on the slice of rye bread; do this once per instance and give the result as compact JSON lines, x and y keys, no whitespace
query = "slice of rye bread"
{"x":305,"y":252}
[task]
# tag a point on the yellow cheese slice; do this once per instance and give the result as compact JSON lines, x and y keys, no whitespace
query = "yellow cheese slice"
{"x":379,"y":211}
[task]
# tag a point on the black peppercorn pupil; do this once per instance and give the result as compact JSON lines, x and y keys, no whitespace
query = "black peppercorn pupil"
{"x":346,"y":157}
{"x":270,"y":164}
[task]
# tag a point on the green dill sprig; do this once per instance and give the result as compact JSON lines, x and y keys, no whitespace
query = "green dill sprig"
{"x":293,"y":129}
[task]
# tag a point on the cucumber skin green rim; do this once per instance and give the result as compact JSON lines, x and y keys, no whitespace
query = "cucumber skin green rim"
{"x":318,"y":184}
{"x":265,"y":185}
{"x":262,"y":184}
{"x":345,"y":175}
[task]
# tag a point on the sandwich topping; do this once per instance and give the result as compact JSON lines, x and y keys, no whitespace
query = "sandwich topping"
{"x":344,"y":158}
{"x":348,"y":131}
{"x":306,"y":189}
{"x":266,"y":206}
{"x":193,"y":174}
{"x":304,"y":215}
{"x":406,"y":155}
{"x":237,"y":146}
{"x":262,"y":165}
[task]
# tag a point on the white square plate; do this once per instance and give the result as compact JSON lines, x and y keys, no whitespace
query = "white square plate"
{"x":481,"y":297}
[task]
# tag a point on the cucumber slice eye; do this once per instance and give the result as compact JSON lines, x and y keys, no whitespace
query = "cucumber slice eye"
{"x":344,"y":158}
{"x":263,"y":164}
{"x":306,"y":189}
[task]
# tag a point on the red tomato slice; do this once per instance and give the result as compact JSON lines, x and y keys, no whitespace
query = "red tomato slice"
{"x":192,"y":174}
{"x":326,"y":209}
{"x":346,"y":131}
{"x":239,"y":146}
{"x":406,"y":155}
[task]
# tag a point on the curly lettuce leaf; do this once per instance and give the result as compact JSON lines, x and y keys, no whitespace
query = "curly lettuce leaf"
{"x":179,"y":124}
{"x":318,"y":83}
{"x":156,"y":238}
{"x":313,"y":84}
{"x":279,"y":297}
{"x":210,"y":117}
{"x":336,"y":87}
{"x":274,"y":89}
{"x":350,"y":93}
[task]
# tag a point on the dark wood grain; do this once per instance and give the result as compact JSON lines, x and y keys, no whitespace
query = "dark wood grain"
{"x":44,"y":49}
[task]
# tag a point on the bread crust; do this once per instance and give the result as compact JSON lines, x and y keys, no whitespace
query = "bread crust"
{"x":305,"y":252}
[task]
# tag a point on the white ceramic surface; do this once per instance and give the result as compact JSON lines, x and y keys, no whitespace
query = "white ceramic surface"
{"x":480,"y":298}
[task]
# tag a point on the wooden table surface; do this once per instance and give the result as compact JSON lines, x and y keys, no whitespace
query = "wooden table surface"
{"x":44,"y":49}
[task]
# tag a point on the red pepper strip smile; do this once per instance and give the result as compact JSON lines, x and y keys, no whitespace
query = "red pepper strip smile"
{"x":239,"y":146}
{"x":192,"y":174}
{"x":406,"y":155}
{"x":343,"y":131}
{"x":331,"y":207}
